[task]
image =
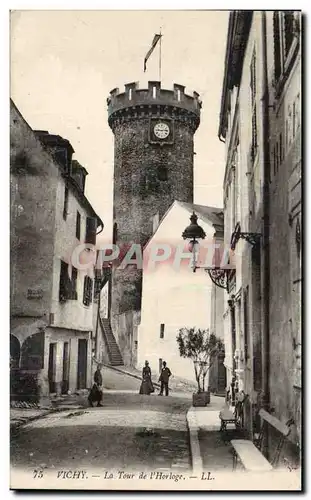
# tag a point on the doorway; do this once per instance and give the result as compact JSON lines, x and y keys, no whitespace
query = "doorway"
{"x":52,"y":367}
{"x":222,"y":376}
{"x":65,"y":382}
{"x":82,"y":363}
{"x":15,"y":352}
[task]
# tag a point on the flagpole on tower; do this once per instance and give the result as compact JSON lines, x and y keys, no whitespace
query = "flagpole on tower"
{"x":160,"y":54}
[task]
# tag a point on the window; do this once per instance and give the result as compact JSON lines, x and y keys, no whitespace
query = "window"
{"x":115,"y":234}
{"x":87,"y":291}
{"x":162,"y":173}
{"x":154,"y":92}
{"x":162,"y":326}
{"x":78,"y":225}
{"x":253,"y":85}
{"x":67,"y":286}
{"x":289,"y":28}
{"x":296,"y":115}
{"x":61,"y":156}
{"x":274,"y":163}
{"x":281,"y":148}
{"x":66,"y":196}
{"x":286,"y":41}
{"x":90,"y":232}
{"x":289,"y":126}
{"x":294,"y":119}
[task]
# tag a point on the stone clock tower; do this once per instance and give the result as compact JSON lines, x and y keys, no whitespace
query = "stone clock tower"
{"x":153,"y":166}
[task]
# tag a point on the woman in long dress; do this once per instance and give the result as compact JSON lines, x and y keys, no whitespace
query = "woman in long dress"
{"x":146,"y":385}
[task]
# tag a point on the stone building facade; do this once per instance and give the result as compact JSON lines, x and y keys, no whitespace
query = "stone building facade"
{"x":175,"y":297}
{"x":261,"y":127}
{"x":51,"y":298}
{"x":153,"y":165}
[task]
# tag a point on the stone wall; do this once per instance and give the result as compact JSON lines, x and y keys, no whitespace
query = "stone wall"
{"x":41,"y":236}
{"x":126,"y":326}
{"x":285,"y":256}
{"x":32,"y":220}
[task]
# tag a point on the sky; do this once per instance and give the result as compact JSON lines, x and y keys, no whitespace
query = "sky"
{"x":64,"y":64}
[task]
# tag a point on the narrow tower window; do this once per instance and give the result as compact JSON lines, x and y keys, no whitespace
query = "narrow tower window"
{"x":162,"y":173}
{"x":162,"y":326}
{"x":154,"y":92}
{"x":178,"y":95}
{"x":130,"y":94}
{"x":115,"y":234}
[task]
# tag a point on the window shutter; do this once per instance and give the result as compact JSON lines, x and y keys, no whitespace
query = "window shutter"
{"x":78,"y":225}
{"x":90,"y":234}
{"x":73,"y":282}
{"x":87,"y":291}
{"x":277,"y":46}
{"x":64,"y":282}
{"x":288,"y":29}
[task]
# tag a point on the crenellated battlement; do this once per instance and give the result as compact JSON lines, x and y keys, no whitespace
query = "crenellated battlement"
{"x":143,"y":100}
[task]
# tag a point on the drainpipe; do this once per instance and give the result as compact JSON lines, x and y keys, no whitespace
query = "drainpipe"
{"x":266,"y":229}
{"x":97,"y":323}
{"x":233,"y":343}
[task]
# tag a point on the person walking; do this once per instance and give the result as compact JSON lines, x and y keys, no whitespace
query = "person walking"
{"x":164,"y":378}
{"x":96,"y":393}
{"x":146,"y":385}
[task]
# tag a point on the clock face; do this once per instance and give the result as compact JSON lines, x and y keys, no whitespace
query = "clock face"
{"x":161,"y":130}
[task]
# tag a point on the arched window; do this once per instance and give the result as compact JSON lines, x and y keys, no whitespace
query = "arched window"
{"x":15,"y":352}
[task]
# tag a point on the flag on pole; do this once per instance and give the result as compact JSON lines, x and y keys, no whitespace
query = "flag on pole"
{"x":155,"y":40}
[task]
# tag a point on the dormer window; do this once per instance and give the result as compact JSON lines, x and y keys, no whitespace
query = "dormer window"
{"x":130,"y":94}
{"x":178,"y":94}
{"x":154,"y":92}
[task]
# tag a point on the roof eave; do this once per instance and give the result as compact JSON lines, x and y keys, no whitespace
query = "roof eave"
{"x":238,"y":32}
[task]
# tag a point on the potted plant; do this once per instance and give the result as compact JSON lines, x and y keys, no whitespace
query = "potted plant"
{"x":203,"y":348}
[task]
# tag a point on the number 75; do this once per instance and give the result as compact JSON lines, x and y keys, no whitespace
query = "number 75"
{"x":37,"y":474}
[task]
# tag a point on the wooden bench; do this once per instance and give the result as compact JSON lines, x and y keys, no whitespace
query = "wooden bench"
{"x":248,"y":453}
{"x":233,"y":417}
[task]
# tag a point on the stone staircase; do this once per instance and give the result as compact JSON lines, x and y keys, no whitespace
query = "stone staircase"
{"x":114,"y":354}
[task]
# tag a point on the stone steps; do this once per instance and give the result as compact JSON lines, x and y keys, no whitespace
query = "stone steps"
{"x":115,"y":357}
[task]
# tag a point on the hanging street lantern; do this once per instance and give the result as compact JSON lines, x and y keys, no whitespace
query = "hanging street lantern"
{"x":193,"y":233}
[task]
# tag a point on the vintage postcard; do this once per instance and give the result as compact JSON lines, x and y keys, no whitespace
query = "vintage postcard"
{"x":156,"y":222}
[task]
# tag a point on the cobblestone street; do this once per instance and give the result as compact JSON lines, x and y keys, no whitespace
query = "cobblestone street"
{"x":130,"y":432}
